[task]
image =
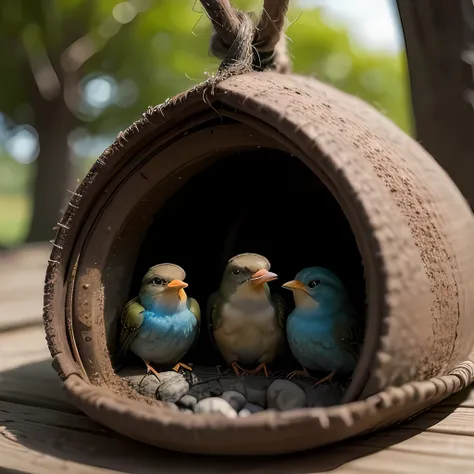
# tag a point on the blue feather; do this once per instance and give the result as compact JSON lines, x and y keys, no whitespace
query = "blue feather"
{"x":320,"y":328}
{"x":166,"y":334}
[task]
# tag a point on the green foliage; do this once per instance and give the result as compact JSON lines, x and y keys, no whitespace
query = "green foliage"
{"x":162,"y":51}
{"x":328,"y":53}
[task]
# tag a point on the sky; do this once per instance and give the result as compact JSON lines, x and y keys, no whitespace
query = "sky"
{"x":374,"y":22}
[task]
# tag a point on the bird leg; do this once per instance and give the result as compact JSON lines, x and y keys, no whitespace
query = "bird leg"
{"x":179,"y":365}
{"x":151,"y":370}
{"x":258,"y":369}
{"x":325,"y":379}
{"x":302,"y":373}
{"x":237,"y":369}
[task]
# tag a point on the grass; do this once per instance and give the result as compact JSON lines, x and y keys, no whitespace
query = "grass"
{"x":14,"y":217}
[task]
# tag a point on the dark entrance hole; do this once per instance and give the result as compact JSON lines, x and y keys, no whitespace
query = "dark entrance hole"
{"x":264,"y":201}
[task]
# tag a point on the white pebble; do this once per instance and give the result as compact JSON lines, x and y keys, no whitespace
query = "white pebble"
{"x":215,"y":405}
{"x":188,"y":401}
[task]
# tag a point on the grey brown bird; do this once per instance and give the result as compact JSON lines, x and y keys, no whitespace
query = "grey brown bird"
{"x":246,"y":319}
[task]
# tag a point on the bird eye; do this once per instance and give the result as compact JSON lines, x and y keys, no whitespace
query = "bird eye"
{"x":236,"y":271}
{"x":313,"y":283}
{"x":157,"y":281}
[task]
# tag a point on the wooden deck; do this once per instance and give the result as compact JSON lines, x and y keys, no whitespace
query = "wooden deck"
{"x":41,"y":433}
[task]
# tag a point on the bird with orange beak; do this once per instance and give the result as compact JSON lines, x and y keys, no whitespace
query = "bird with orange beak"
{"x":162,"y":323}
{"x":245,"y":319}
{"x":324,"y":330}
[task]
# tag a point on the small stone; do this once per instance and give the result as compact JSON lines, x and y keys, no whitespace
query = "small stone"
{"x":188,"y":401}
{"x":206,"y":390}
{"x":249,"y":409}
{"x":144,"y":384}
{"x":235,"y":399}
{"x":215,"y":405}
{"x":172,"y":388}
{"x":253,"y":408}
{"x":256,"y":388}
{"x":214,"y":388}
{"x":171,"y":406}
{"x":232,"y":383}
{"x":285,"y":395}
{"x":170,"y":374}
{"x":187,"y":411}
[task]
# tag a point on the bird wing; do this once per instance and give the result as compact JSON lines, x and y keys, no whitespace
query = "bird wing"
{"x":281,"y":309}
{"x":130,"y":321}
{"x":213,"y":317}
{"x":193,"y":306}
{"x":350,"y":335}
{"x":213,"y":313}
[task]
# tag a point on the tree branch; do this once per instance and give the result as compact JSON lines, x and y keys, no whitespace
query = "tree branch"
{"x":43,"y":71}
{"x":84,"y":48}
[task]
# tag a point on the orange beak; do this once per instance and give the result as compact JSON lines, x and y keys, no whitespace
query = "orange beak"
{"x":263,"y":276}
{"x":294,"y":285}
{"x":179,"y":285}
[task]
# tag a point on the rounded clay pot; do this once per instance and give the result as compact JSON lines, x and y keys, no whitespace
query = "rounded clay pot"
{"x":153,"y":196}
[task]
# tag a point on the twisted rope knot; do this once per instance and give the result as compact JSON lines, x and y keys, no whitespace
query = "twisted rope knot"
{"x":245,"y":45}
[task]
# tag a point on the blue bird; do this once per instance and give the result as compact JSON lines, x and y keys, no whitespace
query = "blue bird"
{"x":323,"y":331}
{"x":162,"y":323}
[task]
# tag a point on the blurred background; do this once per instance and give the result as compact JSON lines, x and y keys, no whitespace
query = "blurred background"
{"x":76,"y":72}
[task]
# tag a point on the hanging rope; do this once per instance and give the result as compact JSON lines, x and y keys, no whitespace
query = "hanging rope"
{"x":245,"y":45}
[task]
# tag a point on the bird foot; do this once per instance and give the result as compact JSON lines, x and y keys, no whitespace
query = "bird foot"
{"x":151,"y":370}
{"x":239,"y":371}
{"x":301,"y":373}
{"x":325,"y":379}
{"x":258,"y":369}
{"x":180,"y":365}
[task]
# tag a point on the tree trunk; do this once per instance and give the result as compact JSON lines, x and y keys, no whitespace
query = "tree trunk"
{"x":439,"y":36}
{"x":53,"y":122}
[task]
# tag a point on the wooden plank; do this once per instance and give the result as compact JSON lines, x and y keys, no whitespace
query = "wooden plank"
{"x":21,"y":285}
{"x":465,"y":398}
{"x":445,"y":420}
{"x":21,"y":347}
{"x":35,"y":384}
{"x":17,"y":283}
{"x":36,"y":440}
{"x":26,"y":374}
{"x":30,"y":255}
{"x":21,"y":313}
